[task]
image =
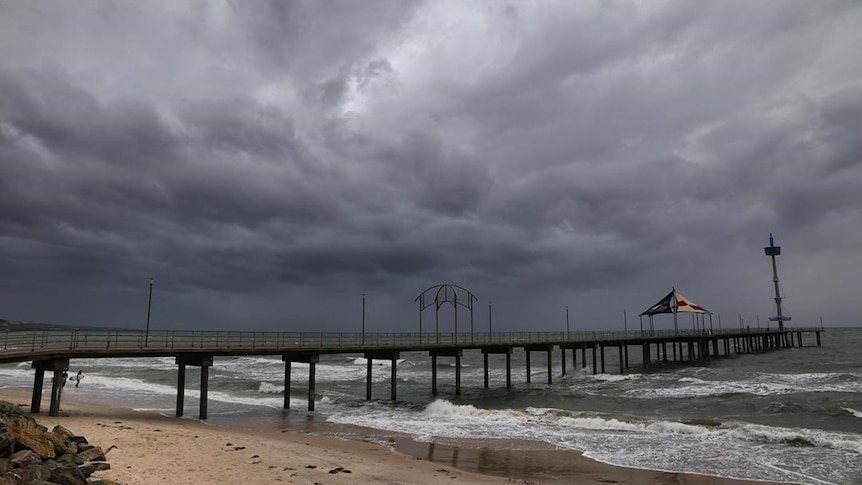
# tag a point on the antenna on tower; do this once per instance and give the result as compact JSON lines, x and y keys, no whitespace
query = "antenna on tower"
{"x":772,"y":251}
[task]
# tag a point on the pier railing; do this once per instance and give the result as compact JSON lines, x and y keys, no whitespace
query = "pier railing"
{"x":83,"y":340}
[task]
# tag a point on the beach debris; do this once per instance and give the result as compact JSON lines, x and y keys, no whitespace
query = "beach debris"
{"x":339,"y":470}
{"x":311,"y":467}
{"x":30,"y":454}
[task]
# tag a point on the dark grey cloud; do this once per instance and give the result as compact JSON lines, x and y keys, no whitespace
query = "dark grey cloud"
{"x":269,"y":162}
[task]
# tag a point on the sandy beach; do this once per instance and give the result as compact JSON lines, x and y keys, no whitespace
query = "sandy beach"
{"x":149,"y":449}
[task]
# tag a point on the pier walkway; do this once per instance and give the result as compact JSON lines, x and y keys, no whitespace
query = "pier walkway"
{"x":51,"y":350}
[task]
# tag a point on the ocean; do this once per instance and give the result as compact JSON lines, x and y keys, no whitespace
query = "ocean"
{"x":792,"y":415}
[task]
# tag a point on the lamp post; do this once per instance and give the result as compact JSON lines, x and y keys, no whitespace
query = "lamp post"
{"x":363,"y":319}
{"x":490,"y":330}
{"x":149,"y":307}
{"x":568,"y":332}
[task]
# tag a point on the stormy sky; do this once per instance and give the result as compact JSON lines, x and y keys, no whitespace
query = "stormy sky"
{"x":268,"y":163}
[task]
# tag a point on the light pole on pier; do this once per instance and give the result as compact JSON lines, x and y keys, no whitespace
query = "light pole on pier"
{"x":568,"y":331}
{"x":149,"y":307}
{"x":363,"y":319}
{"x":772,"y":251}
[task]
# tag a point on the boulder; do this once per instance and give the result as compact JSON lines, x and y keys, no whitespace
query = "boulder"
{"x":24,"y":458}
{"x":7,"y":441}
{"x":34,"y":473}
{"x":58,"y":457}
{"x":29,"y":434}
{"x":62,"y":439}
{"x":12,"y":410}
{"x":63,"y":474}
{"x":92,"y":454}
{"x":9,"y":479}
{"x":69,"y":459}
{"x":93,"y":467}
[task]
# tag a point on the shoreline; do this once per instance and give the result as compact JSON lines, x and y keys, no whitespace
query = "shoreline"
{"x":152,"y":448}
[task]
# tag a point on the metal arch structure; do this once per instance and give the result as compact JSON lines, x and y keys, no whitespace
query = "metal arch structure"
{"x":440,"y":295}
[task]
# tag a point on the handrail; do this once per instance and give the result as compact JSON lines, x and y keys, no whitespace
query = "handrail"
{"x":18,"y":342}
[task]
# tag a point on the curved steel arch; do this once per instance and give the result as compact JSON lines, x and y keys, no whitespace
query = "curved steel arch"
{"x":449,"y":293}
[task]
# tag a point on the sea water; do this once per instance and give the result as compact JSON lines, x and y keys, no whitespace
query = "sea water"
{"x":793,"y":415}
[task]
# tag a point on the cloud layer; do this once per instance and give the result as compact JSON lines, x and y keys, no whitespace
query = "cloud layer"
{"x":268,"y":163}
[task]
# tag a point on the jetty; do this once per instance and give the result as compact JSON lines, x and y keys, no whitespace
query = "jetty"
{"x":51,"y":350}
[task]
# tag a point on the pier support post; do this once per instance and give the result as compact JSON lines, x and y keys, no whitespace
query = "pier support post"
{"x":548,"y":350}
{"x":58,"y":366}
{"x":626,"y":349}
{"x":563,"y":357}
{"x":204,"y":391}
{"x":602,"y":351}
{"x":584,"y":357}
{"x":307,"y":358}
{"x":389,"y":355}
{"x":394,"y":363}
{"x":818,"y":338}
{"x":664,"y":352}
{"x":369,"y":364}
{"x":622,"y":361}
{"x":595,"y":361}
{"x":799,"y":338}
{"x":56,"y":393}
{"x":485,"y":359}
{"x":38,"y":383}
{"x":645,"y":355}
{"x":312,"y":383}
{"x":204,"y":362}
{"x":673,"y":345}
{"x":446,"y":353}
{"x":287,"y":385}
{"x":509,"y":369}
{"x":181,"y":389}
{"x":433,"y":373}
{"x":457,"y":374}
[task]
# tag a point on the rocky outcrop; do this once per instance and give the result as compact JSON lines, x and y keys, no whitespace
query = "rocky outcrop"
{"x":32,"y":455}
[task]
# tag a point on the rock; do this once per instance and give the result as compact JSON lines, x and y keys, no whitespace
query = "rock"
{"x":9,"y":409}
{"x":58,"y":457}
{"x":9,"y":480}
{"x":7,"y":441}
{"x":69,"y":459}
{"x":30,"y":434}
{"x":93,"y":454}
{"x":93,"y":467}
{"x":24,"y":458}
{"x":79,"y":439}
{"x":62,"y":439}
{"x":34,"y":472}
{"x":66,"y":474}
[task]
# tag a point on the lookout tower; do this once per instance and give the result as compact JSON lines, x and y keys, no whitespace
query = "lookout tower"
{"x":772,"y":251}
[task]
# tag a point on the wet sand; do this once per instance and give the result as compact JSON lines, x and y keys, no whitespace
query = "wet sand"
{"x":149,"y":448}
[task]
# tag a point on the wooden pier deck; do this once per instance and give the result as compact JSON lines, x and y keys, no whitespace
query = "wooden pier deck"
{"x":51,"y":350}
